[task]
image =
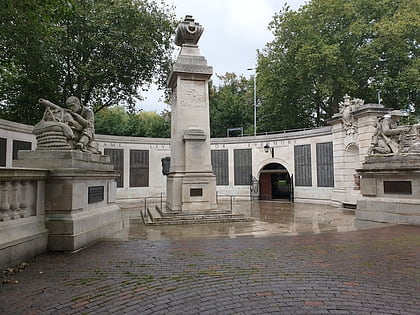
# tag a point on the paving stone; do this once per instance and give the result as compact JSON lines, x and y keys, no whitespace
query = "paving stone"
{"x":358,"y":272}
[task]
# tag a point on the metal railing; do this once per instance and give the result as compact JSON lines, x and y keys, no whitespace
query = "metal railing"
{"x":226,"y":202}
{"x":154,"y":200}
{"x":267,"y":133}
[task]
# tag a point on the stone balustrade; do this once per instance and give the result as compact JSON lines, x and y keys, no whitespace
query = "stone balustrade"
{"x":19,"y":193}
{"x":23,"y":233}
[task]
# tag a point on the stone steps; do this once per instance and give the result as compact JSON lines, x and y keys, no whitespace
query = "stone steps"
{"x":158,"y":217}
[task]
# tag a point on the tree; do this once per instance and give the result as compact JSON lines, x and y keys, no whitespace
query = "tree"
{"x":328,"y":49}
{"x":102,"y":51}
{"x":151,"y":124}
{"x":231,"y":104}
{"x":118,"y":122}
{"x":113,"y":121}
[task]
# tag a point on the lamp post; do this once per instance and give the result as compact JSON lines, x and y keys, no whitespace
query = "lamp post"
{"x":267,"y":149}
{"x":255,"y":100}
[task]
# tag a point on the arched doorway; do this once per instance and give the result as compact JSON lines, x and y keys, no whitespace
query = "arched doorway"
{"x":275,"y":182}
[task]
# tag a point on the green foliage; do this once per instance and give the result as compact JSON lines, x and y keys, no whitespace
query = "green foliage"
{"x":328,"y":49}
{"x":231,"y":105}
{"x":118,"y":122}
{"x":102,"y":51}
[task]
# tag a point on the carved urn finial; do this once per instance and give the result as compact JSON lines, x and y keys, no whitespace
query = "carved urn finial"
{"x":188,"y":32}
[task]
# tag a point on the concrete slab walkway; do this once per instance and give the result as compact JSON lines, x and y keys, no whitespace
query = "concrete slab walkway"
{"x":375,"y":271}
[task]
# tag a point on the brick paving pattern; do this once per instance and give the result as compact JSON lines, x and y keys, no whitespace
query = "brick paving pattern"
{"x":373,"y":271}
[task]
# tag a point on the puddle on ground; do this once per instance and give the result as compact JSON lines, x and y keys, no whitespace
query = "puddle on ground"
{"x":271,"y":218}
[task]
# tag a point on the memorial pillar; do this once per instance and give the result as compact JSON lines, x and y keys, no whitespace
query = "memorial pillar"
{"x":191,"y":184}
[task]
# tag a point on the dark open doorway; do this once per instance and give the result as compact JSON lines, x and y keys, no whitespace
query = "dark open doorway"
{"x":275,"y":182}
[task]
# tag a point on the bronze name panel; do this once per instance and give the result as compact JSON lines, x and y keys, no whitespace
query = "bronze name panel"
{"x":398,"y":187}
{"x":95,"y":194}
{"x":196,"y":192}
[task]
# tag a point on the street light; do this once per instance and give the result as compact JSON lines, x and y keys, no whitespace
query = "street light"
{"x":255,"y":100}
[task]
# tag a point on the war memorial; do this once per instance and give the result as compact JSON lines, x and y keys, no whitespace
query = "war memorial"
{"x":62,"y":187}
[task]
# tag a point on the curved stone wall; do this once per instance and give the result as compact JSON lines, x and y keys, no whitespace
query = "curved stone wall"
{"x":320,"y":163}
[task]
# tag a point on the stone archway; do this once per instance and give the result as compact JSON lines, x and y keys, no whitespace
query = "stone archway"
{"x":275,"y":182}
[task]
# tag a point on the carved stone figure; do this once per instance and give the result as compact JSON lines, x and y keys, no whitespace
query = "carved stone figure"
{"x":346,"y":109}
{"x":389,"y":138}
{"x":70,"y":128}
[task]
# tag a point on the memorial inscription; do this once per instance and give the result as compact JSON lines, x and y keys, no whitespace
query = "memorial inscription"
{"x":95,"y":194}
{"x":196,"y":192}
{"x":397,"y":187}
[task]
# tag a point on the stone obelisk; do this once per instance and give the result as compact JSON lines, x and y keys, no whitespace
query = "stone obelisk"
{"x":191,"y":184}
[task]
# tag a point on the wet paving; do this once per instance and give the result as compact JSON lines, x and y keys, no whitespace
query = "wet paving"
{"x":311,"y":260}
{"x":270,"y":218}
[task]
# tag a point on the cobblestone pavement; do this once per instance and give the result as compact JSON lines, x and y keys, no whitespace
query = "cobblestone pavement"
{"x":372,"y":271}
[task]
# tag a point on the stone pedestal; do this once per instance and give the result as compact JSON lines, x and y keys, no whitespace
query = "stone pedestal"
{"x":191,"y":184}
{"x":80,"y":193}
{"x":390,"y":188}
{"x":352,"y":131}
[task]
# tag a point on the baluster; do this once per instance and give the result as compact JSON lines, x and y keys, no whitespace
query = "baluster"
{"x":14,"y":203}
{"x":23,"y":212}
{"x":4,"y":202}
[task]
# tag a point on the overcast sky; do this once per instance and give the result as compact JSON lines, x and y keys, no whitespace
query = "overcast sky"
{"x":233,"y":31}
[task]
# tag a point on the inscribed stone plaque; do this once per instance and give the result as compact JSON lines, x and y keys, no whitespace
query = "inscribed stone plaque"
{"x":117,"y":158}
{"x":95,"y":194}
{"x":325,"y":164}
{"x":242,"y":163}
{"x":303,"y":169}
{"x":220,"y":164}
{"x":192,"y":94}
{"x":3,"y":147}
{"x":397,"y":187}
{"x":20,"y":145}
{"x":139,"y":168}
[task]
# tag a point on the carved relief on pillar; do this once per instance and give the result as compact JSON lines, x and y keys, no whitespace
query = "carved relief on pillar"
{"x":192,"y":94}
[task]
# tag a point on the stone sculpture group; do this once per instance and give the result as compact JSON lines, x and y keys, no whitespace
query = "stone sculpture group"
{"x":389,"y":138}
{"x":69,"y":128}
